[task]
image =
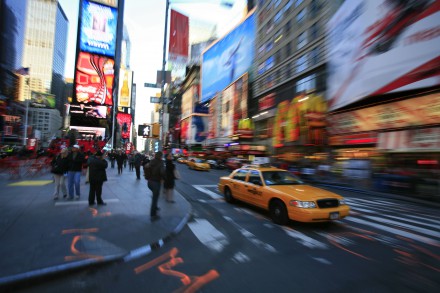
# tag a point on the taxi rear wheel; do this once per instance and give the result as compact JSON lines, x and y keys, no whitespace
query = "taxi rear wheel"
{"x":278,"y":212}
{"x":228,"y":195}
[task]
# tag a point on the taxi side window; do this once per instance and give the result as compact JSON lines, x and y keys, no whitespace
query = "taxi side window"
{"x":240,"y":175}
{"x":254,"y":177}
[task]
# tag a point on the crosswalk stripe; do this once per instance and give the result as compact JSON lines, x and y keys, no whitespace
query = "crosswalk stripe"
{"x":208,"y":234}
{"x":81,"y":202}
{"x":204,"y":189}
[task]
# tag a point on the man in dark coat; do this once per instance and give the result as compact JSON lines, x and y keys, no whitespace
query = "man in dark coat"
{"x":120,"y":159}
{"x":138,"y":158}
{"x":154,"y":183}
{"x":97,"y":175}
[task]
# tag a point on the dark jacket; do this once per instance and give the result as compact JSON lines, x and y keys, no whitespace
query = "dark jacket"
{"x":138,"y":160}
{"x":75,"y":164}
{"x":97,"y":166}
{"x":120,"y":158}
{"x":157,"y":170}
{"x":169,"y":174}
{"x":60,"y":165}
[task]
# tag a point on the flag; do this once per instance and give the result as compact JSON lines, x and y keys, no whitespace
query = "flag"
{"x":179,"y":36}
{"x":22,"y":71}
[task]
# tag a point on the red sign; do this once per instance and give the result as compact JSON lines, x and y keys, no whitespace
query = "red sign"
{"x":124,"y":121}
{"x":94,"y":79}
{"x":179,"y":35}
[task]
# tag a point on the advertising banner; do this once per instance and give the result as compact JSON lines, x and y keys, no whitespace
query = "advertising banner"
{"x":198,"y":131}
{"x":184,"y":130}
{"x":407,"y":140}
{"x":124,"y":121}
{"x":86,"y":132}
{"x":98,"y":28}
{"x":179,"y":37}
{"x":227,"y":124}
{"x":379,"y":47}
{"x":94,"y":79}
{"x":42,"y":100}
{"x":240,"y":104}
{"x":94,"y":111}
{"x":125,"y":87}
{"x":411,"y":112}
{"x":228,"y":59}
{"x":213,"y":118}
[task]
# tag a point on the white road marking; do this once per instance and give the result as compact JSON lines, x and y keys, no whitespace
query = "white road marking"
{"x":81,"y":202}
{"x":304,"y":239}
{"x":322,"y":260}
{"x":410,"y":227}
{"x":208,"y":234}
{"x":204,"y":189}
{"x":240,"y":257}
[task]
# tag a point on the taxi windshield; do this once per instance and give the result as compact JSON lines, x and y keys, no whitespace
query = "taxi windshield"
{"x":280,"y":178}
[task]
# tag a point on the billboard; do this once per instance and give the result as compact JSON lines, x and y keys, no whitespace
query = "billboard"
{"x":98,"y":28}
{"x":86,"y":132}
{"x":124,"y":121}
{"x":94,"y":79}
{"x":379,"y":47}
{"x":95,"y":111}
{"x":125,"y":86}
{"x":179,"y":36}
{"x":198,"y":130}
{"x":42,"y":100}
{"x":228,"y":59}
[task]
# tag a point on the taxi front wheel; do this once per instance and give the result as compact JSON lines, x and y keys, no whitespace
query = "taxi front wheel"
{"x":278,"y":212}
{"x":228,"y":195}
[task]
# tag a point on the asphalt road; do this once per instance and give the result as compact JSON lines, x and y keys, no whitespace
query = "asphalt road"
{"x":386,"y":245}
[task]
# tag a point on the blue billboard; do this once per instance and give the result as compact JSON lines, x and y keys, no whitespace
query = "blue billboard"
{"x":98,"y":28}
{"x":228,"y":59}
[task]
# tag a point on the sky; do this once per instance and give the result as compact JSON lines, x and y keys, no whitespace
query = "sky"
{"x":145,"y":20}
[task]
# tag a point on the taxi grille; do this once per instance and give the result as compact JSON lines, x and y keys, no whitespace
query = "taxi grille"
{"x":327,"y":203}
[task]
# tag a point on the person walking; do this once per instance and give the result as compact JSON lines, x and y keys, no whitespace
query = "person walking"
{"x":170,"y":176}
{"x":75,"y":162}
{"x":131,"y":161}
{"x":97,"y":176}
{"x":137,"y":164}
{"x":112,"y":157}
{"x":120,"y":158}
{"x":60,"y":165}
{"x":154,"y":182}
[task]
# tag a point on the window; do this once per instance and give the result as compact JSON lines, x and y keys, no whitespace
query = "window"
{"x":261,"y":69}
{"x":288,"y":26}
{"x":277,"y":3}
{"x":314,"y":31}
{"x":278,"y":17}
{"x":314,"y":56}
{"x":254,"y":177}
{"x":314,"y":8}
{"x":302,"y":40}
{"x":301,"y":63}
{"x":298,"y":3}
{"x":269,"y":62}
{"x":288,"y":5}
{"x":300,"y":17}
{"x":306,"y":84}
{"x":278,"y":57}
{"x":240,"y":175}
{"x":288,"y":50}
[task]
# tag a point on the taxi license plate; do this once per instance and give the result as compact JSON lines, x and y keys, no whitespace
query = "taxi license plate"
{"x":334,"y":216}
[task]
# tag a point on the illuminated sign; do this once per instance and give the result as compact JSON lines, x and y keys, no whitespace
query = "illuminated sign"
{"x":145,"y":131}
{"x":88,"y":111}
{"x":125,"y":84}
{"x":42,"y":100}
{"x":94,"y":79}
{"x":98,"y":28}
{"x":228,"y":59}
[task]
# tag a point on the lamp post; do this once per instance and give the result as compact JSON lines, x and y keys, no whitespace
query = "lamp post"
{"x":27,"y":113}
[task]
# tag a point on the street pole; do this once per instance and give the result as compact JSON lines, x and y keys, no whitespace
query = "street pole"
{"x":27,"y":113}
{"x":162,"y":84}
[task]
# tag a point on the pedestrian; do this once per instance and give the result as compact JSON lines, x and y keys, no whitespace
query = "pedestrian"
{"x":97,"y":176}
{"x":170,"y":176}
{"x":112,"y":157}
{"x":120,"y":158}
{"x":155,"y":181}
{"x":131,"y":161}
{"x":60,"y":165}
{"x":138,"y":158}
{"x":75,"y":162}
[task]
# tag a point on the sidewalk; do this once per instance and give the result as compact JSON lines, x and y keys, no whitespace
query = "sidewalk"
{"x":41,"y":237}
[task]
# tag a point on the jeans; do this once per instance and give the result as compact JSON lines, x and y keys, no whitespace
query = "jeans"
{"x":154,"y":186}
{"x":73,"y":181}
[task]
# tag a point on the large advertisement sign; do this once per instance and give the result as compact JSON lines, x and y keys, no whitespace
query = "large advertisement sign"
{"x":94,"y":79}
{"x":378,"y":47}
{"x":198,"y":131}
{"x":125,"y":86}
{"x":411,"y":112}
{"x":179,"y":36}
{"x":98,"y":28}
{"x":95,"y":111}
{"x":241,"y":106}
{"x":228,"y":59}
{"x":86,"y":132}
{"x":124,"y":121}
{"x":42,"y":100}
{"x":227,"y":120}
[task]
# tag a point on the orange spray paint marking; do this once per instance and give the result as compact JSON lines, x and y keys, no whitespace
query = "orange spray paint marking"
{"x":78,"y":254}
{"x":190,"y":284}
{"x":79,"y":231}
{"x":95,"y":213}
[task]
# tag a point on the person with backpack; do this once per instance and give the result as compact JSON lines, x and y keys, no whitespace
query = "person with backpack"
{"x":154,"y":172}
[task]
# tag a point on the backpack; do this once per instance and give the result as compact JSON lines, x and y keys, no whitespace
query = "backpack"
{"x":148,"y":172}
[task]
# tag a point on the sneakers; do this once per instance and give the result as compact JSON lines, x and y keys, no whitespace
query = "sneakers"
{"x":55,"y":197}
{"x":77,"y":197}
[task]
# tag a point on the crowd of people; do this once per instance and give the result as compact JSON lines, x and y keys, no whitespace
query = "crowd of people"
{"x":69,"y":164}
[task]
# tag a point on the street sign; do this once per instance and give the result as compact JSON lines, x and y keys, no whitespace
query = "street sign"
{"x":151,"y":85}
{"x":155,"y":100}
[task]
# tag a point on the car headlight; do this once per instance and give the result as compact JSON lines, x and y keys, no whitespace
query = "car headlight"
{"x":342,"y":202}
{"x":303,"y":204}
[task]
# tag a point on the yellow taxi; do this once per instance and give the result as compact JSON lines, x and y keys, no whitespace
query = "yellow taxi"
{"x":283,"y":194}
{"x":182,"y":160}
{"x":198,"y":164}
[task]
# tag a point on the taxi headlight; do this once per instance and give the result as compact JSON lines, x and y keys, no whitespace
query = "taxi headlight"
{"x":303,"y":204}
